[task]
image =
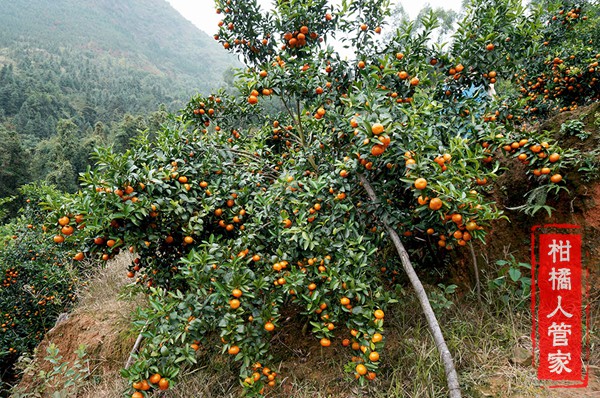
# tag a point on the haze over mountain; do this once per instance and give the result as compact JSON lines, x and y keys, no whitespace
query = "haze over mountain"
{"x":146,"y":34}
{"x":87,"y":72}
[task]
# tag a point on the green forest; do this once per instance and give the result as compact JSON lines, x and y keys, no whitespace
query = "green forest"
{"x":92,"y":73}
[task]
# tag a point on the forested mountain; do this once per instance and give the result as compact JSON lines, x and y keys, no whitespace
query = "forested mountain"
{"x":146,"y":34}
{"x":85,"y":71}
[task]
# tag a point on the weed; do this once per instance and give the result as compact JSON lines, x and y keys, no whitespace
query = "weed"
{"x":440,"y":299}
{"x":62,"y":381}
{"x":575,"y":128}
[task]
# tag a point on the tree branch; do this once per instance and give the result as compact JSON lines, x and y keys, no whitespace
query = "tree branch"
{"x":434,"y":327}
{"x":135,"y":348}
{"x":476,"y":271}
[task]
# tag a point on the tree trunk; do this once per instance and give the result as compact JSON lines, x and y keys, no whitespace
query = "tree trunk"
{"x":434,"y":327}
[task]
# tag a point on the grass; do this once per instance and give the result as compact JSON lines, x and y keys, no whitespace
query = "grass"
{"x":480,"y":334}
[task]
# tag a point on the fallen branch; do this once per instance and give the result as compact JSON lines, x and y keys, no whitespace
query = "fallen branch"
{"x":434,"y":327}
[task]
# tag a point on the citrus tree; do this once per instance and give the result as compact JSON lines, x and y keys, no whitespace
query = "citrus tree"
{"x":563,"y":73}
{"x":282,"y":198}
{"x":38,"y":279}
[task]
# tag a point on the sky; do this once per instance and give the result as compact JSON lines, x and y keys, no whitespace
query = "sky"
{"x":202,"y":12}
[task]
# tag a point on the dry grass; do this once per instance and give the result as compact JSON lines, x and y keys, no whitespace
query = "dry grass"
{"x":481,"y":337}
{"x":108,"y":300}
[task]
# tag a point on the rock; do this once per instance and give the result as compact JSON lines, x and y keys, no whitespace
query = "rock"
{"x":521,"y":356}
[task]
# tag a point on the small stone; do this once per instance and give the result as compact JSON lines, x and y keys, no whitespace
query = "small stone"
{"x":521,"y":356}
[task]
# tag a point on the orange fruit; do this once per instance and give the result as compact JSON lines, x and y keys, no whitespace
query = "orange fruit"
{"x":379,"y":314}
{"x":435,"y":204}
{"x":63,"y":221}
{"x":420,"y":183}
{"x":535,"y":148}
{"x":556,"y":178}
{"x":554,"y":158}
{"x":59,"y":239}
{"x":377,"y":337}
{"x":471,"y":226}
{"x":377,"y":128}
{"x":234,"y":303}
{"x":269,"y":327}
{"x":237,"y":293}
{"x":67,"y":230}
{"x":361,"y":369}
{"x":457,"y":218}
{"x":385,"y":140}
{"x":422,"y":201}
{"x":233,"y":350}
{"x":325,"y":342}
{"x":78,"y":256}
{"x":163,"y":384}
{"x":155,"y":378}
{"x":374,"y":356}
{"x":189,"y":240}
{"x":377,"y":150}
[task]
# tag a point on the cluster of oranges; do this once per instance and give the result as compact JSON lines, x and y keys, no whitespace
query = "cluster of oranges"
{"x":527,"y":152}
{"x":66,"y":228}
{"x":156,"y":381}
{"x":10,"y":278}
{"x":369,"y":352}
{"x":569,"y":76}
{"x":280,"y":132}
{"x":299,"y":38}
{"x":237,"y":219}
{"x":203,"y":112}
{"x":261,"y":372}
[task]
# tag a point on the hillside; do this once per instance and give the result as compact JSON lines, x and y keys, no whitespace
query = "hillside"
{"x":75,"y":74}
{"x":148,"y":35}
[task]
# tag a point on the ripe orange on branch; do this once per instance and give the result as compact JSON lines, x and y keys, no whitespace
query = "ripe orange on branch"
{"x":420,"y":183}
{"x":435,"y":204}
